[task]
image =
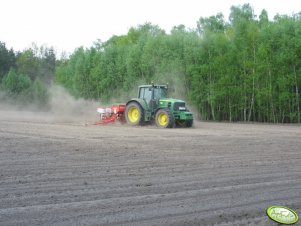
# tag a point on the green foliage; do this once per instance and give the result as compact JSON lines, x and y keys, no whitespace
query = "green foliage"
{"x":37,"y":63}
{"x":24,"y":76}
{"x":7,"y":60}
{"x":15,"y":84}
{"x":21,"y":91}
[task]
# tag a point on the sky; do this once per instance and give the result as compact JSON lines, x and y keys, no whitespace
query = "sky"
{"x":69,"y":24}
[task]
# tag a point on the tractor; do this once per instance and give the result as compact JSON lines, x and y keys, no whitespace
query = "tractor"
{"x":153,"y":105}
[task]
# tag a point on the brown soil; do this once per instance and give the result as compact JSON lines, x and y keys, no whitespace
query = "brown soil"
{"x":65,"y":172}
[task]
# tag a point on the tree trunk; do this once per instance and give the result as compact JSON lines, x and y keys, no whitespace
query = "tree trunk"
{"x":252,"y":99}
{"x":271,"y":97}
{"x":230,"y":111}
{"x":210,"y":88}
{"x":253,"y":83}
{"x":297,"y":95}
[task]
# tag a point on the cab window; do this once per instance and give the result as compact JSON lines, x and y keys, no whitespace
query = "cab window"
{"x":145,"y":93}
{"x":160,"y":93}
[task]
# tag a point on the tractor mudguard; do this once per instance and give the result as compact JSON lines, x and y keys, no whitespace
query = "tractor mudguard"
{"x":142,"y":103}
{"x":160,"y":108}
{"x":144,"y":106}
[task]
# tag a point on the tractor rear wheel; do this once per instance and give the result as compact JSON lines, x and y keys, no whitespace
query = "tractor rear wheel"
{"x":164,"y":119}
{"x":134,"y":114}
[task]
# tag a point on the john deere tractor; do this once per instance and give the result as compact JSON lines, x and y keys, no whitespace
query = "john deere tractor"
{"x":152,"y":105}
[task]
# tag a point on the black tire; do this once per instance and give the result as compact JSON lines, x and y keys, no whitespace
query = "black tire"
{"x":184,"y":123}
{"x":134,"y":114}
{"x":164,"y":119}
{"x":181,"y":123}
{"x":189,"y":123}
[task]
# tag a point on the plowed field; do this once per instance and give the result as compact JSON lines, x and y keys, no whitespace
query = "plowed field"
{"x":64,"y":172}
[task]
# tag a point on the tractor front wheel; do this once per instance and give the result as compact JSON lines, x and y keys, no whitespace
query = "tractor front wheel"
{"x":189,"y":123}
{"x":134,"y":114}
{"x":164,"y":119}
{"x":184,"y":123}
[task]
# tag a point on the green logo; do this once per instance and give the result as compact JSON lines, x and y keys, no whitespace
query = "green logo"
{"x":282,"y":214}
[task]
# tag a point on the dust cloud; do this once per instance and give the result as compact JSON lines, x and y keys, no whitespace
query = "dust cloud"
{"x":62,"y":108}
{"x":66,"y":108}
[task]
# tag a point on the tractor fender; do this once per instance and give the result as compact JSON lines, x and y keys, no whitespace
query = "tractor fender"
{"x":164,"y":108}
{"x":142,"y":103}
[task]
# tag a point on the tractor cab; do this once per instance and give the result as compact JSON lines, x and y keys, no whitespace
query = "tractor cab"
{"x":152,"y":94}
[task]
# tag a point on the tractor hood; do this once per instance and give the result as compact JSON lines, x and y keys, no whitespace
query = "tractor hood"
{"x":174,"y":104}
{"x":172,"y":100}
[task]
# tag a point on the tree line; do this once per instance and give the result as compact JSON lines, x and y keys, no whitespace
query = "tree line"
{"x":25,"y":76}
{"x":247,"y":68}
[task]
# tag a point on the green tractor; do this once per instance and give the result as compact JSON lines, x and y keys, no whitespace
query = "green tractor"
{"x":152,"y":105}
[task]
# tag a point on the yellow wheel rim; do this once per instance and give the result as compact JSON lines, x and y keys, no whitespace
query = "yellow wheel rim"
{"x":162,"y":119}
{"x":133,"y":114}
